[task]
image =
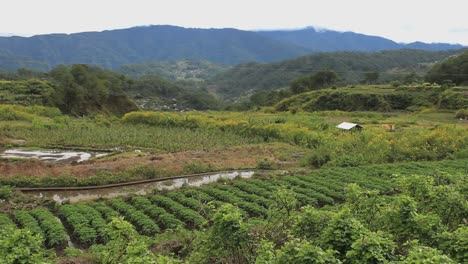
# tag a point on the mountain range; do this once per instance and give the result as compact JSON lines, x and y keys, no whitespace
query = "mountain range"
{"x":114,"y":48}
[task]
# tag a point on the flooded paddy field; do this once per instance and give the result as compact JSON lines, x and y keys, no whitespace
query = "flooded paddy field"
{"x":52,"y":155}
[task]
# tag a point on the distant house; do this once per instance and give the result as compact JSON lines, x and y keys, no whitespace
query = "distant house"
{"x":349,"y":126}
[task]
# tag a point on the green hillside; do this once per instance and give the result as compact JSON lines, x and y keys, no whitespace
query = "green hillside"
{"x":377,"y":98}
{"x":192,"y":70}
{"x":351,"y":67}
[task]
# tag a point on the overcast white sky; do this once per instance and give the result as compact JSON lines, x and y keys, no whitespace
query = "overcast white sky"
{"x":399,"y":20}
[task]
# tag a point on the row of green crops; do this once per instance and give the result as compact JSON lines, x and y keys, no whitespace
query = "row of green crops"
{"x":190,"y":207}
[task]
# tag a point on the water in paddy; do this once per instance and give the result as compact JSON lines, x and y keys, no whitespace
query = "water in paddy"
{"x":139,"y":189}
{"x":50,"y":155}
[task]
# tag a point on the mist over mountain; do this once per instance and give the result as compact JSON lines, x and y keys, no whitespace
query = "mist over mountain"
{"x":113,"y":48}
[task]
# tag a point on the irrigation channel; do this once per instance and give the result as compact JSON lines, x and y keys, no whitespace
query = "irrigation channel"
{"x":77,"y":194}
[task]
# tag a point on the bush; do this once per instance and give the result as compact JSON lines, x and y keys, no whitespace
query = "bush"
{"x":264,"y":165}
{"x":462,"y":114}
{"x":5,"y":192}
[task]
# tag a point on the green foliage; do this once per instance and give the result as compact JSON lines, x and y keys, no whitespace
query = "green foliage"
{"x":144,"y":223}
{"x":371,"y":247}
{"x":295,"y":252}
{"x":421,"y":254}
{"x":454,"y":69}
{"x":167,"y":220}
{"x":87,"y":223}
{"x":310,"y":223}
{"x":84,"y":90}
{"x":371,"y":77}
{"x":455,"y":244}
{"x":351,"y":65}
{"x":264,"y":165}
{"x":155,"y":93}
{"x":5,"y":192}
{"x":225,"y":241}
{"x":462,"y":114}
{"x":125,"y":245}
{"x":132,"y":135}
{"x":315,"y":81}
{"x":195,"y":167}
{"x":111,"y":49}
{"x":196,"y":70}
{"x":341,"y":233}
{"x":6,"y":222}
{"x":75,"y":90}
{"x":22,"y":246}
{"x":27,"y":221}
{"x":27,"y":92}
{"x":54,"y":232}
{"x":368,"y":98}
{"x":189,"y":216}
{"x":384,"y":199}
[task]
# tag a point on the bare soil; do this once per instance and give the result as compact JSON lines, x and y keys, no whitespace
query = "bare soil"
{"x":218,"y":159}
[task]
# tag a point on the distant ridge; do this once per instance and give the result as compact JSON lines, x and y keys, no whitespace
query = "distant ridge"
{"x":114,"y":48}
{"x":324,"y":40}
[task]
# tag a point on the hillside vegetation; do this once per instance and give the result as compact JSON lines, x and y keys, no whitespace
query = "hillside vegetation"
{"x":376,"y":98}
{"x":351,"y":67}
{"x":114,"y":48}
{"x":328,"y":40}
{"x":87,"y":90}
{"x":453,"y":70}
{"x":134,"y":166}
{"x":186,"y":70}
{"x":76,"y":90}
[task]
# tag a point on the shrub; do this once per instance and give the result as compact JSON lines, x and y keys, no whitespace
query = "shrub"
{"x":5,"y":192}
{"x":264,"y":165}
{"x":462,"y":114}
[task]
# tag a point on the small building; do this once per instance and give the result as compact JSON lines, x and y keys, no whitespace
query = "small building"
{"x":349,"y":126}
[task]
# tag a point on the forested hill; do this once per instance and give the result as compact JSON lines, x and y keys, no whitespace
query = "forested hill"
{"x":194,"y":70}
{"x":111,"y":49}
{"x":351,"y":67}
{"x":329,"y":40}
{"x":114,"y":48}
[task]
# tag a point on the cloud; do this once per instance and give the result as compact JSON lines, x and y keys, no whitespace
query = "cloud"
{"x":459,"y":30}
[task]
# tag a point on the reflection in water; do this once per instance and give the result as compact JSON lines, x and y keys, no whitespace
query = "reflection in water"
{"x":63,"y":156}
{"x":140,"y":189}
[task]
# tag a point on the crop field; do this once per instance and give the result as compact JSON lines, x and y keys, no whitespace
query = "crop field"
{"x":400,"y":182}
{"x":86,"y":223}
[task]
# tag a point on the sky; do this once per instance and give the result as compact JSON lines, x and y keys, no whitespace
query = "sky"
{"x":399,"y":20}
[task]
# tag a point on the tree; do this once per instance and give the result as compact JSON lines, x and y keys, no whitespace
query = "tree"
{"x":421,"y":254}
{"x":454,"y":69}
{"x":371,"y":77}
{"x":342,"y":231}
{"x":226,"y":241}
{"x":310,"y":222}
{"x":125,"y":245}
{"x":295,"y":252}
{"x":455,"y":244}
{"x":371,"y":247}
{"x":314,"y":81}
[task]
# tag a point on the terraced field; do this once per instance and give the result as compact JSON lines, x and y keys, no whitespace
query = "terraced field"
{"x":188,"y":207}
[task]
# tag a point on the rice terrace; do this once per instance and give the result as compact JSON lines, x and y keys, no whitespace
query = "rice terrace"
{"x":164,"y":144}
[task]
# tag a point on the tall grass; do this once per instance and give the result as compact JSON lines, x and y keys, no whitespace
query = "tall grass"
{"x":87,"y":134}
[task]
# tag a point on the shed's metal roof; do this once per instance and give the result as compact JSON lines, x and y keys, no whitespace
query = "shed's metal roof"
{"x":348,"y":126}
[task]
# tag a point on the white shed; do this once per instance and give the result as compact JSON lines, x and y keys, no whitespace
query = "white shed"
{"x":349,"y":126}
